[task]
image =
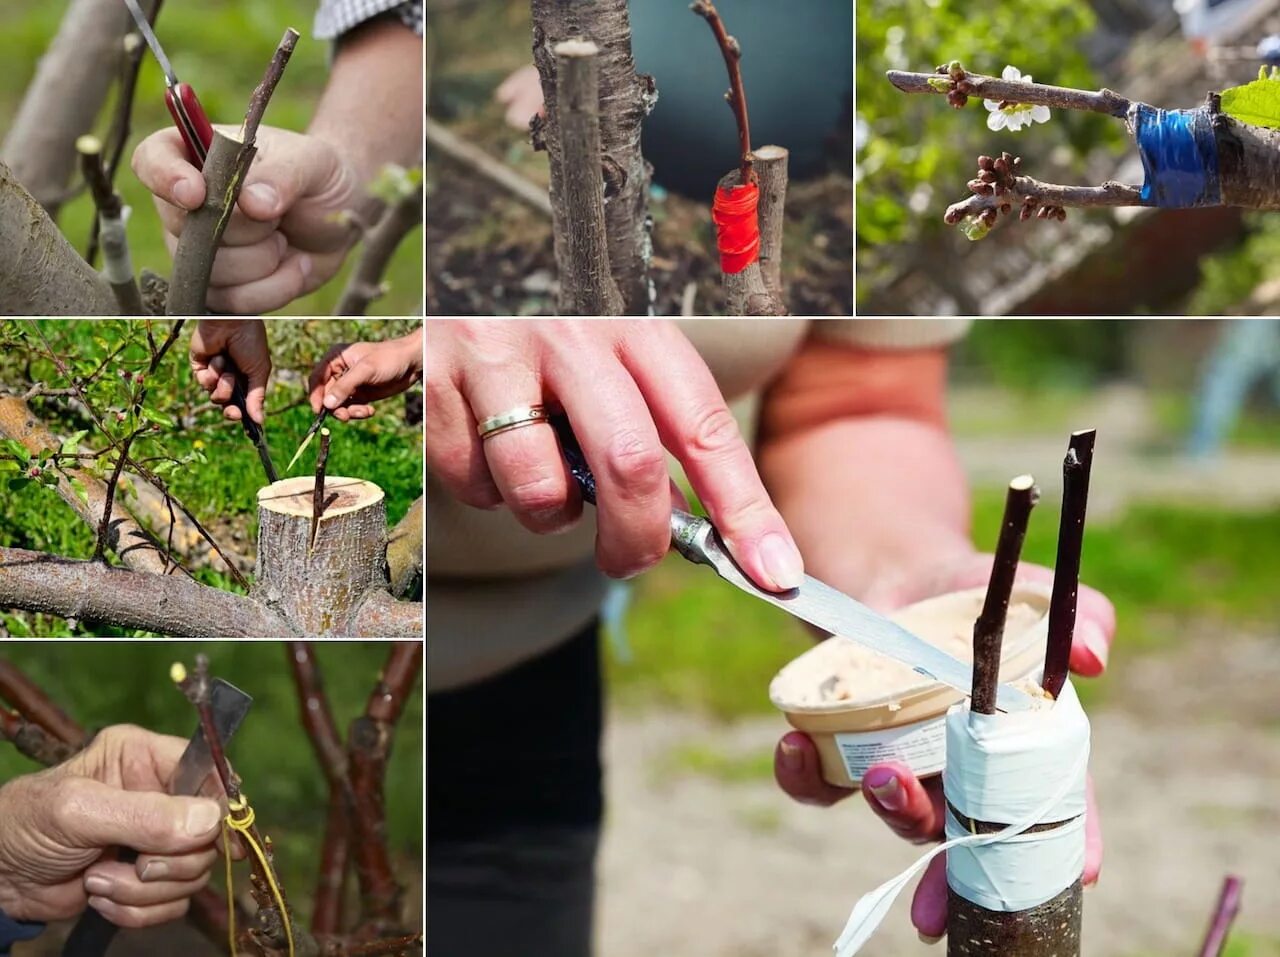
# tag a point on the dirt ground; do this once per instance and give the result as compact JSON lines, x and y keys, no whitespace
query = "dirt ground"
{"x":1186,"y":781}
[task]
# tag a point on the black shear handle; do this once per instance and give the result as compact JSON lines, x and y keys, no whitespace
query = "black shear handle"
{"x":93,"y":933}
{"x":578,"y":466}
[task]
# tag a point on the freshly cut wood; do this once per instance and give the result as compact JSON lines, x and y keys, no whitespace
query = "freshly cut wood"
{"x":319,"y":589}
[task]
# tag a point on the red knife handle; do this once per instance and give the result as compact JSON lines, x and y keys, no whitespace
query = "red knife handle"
{"x":189,"y":116}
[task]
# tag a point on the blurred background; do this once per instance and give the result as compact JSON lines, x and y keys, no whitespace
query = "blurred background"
{"x":220,"y":47}
{"x":490,"y":254}
{"x":105,"y":683}
{"x":915,"y":154}
{"x":1184,"y":520}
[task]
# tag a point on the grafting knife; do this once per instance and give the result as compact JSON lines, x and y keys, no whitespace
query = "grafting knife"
{"x":252,"y":430}
{"x":93,"y":933}
{"x":697,"y":540}
{"x":188,"y":115}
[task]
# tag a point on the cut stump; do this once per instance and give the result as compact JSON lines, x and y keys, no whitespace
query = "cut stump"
{"x":318,"y":589}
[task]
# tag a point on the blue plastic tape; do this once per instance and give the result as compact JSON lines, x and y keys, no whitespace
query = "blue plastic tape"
{"x":1179,"y":156}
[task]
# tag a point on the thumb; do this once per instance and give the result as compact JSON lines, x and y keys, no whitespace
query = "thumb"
{"x":339,"y":390}
{"x":256,"y":398}
{"x":97,"y":815}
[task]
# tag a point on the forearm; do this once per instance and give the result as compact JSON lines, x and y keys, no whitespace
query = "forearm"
{"x":870,"y":499}
{"x":371,"y":111}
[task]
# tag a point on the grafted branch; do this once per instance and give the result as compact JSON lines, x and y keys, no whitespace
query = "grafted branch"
{"x":118,"y":266}
{"x":737,"y":95}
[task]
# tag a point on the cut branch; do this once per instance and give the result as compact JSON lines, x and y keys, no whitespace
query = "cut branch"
{"x":1011,"y":91}
{"x":988,"y":630}
{"x":771,"y":168}
{"x":380,"y":244}
{"x":38,"y":582}
{"x":731,"y":50}
{"x":404,"y":549}
{"x":117,"y":263}
{"x":746,"y":291}
{"x":586,"y":286}
{"x":1224,"y":915}
{"x":317,"y":494}
{"x":1066,"y":567}
{"x":264,"y":90}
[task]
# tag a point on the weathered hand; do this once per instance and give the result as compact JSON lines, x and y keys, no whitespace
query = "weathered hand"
{"x":913,"y":809}
{"x":629,"y":389}
{"x":361,"y":372}
{"x":58,"y":828}
{"x":287,"y":236}
{"x":221,"y":349}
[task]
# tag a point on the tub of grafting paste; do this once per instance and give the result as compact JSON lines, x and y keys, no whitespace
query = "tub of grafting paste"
{"x":862,"y":708}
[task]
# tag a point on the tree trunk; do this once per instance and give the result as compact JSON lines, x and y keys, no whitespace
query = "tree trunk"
{"x":1049,"y":930}
{"x":64,"y":98}
{"x":40,"y":274}
{"x":319,"y":589}
{"x":625,"y":98}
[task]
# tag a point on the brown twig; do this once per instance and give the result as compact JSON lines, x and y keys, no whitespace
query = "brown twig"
{"x":1025,"y":190}
{"x":37,"y":707}
{"x":1066,"y":568}
{"x":737,"y":95}
{"x":957,"y":79}
{"x":380,"y":244}
{"x":262,"y":94}
{"x":495,"y":171}
{"x":104,"y":524}
{"x":317,"y":493}
{"x":387,"y":947}
{"x":32,"y":740}
{"x":988,"y":630}
{"x":1224,"y":914}
{"x":368,"y":747}
{"x":771,"y":169}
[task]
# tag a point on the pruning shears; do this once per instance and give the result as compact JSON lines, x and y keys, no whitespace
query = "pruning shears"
{"x":184,"y":106}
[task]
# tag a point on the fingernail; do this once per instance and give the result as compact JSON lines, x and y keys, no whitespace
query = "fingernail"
{"x":782,"y":562}
{"x":927,"y":938}
{"x":202,"y":817}
{"x":304,"y":266}
{"x":184,"y":191}
{"x":154,"y":871}
{"x":265,"y":195}
{"x":1092,"y":638}
{"x":890,"y":794}
{"x":331,"y":401}
{"x":792,"y":757}
{"x":97,"y":884}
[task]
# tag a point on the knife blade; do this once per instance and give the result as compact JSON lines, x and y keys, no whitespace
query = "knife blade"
{"x":816,"y":602}
{"x":306,"y":439}
{"x":93,"y":933}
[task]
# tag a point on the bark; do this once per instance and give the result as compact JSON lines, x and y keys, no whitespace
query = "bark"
{"x":35,"y":706}
{"x":404,"y":549}
{"x":65,"y":97}
{"x":586,"y":286}
{"x":380,"y":244}
{"x":625,"y":98}
{"x":1248,"y":164}
{"x":69,"y":588}
{"x":224,"y":173}
{"x":746,"y":292}
{"x":40,"y":274}
{"x":381,"y":616}
{"x":771,"y":170}
{"x":32,"y":740}
{"x":117,"y":263}
{"x":1050,"y":930}
{"x":320,"y":592}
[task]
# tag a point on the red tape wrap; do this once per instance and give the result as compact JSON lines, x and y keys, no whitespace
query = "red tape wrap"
{"x":737,"y":228}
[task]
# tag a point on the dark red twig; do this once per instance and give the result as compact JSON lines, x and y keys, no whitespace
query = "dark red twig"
{"x":32,"y":740}
{"x":988,"y":630}
{"x":1066,"y":569}
{"x":37,"y":707}
{"x":737,"y":95}
{"x":317,"y":493}
{"x":1224,"y":914}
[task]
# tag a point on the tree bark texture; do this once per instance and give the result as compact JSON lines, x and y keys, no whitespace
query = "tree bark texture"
{"x":404,"y":549}
{"x":321,"y":589}
{"x":625,"y":98}
{"x":1248,"y":164}
{"x":586,"y":285}
{"x":1050,"y":930}
{"x":40,"y":273}
{"x":66,"y":95}
{"x":770,"y":164}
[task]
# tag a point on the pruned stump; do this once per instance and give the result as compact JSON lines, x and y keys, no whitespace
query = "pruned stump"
{"x":1050,"y":930}
{"x":318,"y":587}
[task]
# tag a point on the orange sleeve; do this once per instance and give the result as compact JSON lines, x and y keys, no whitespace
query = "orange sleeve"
{"x":826,"y":381}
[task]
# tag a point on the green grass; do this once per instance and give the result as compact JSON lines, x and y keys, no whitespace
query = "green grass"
{"x":699,"y":644}
{"x":106,"y":683}
{"x":222,"y":493}
{"x":220,"y":47}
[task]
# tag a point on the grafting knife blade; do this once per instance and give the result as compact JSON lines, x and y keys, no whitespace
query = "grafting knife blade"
{"x":144,"y":27}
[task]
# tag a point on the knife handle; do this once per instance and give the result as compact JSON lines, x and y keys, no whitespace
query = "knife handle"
{"x":191,"y":120}
{"x":689,"y":533}
{"x":93,"y":933}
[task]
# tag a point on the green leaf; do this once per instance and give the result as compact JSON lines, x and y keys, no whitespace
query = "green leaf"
{"x":159,"y":418}
{"x":16,"y":449}
{"x":974,"y":228}
{"x":72,"y":445}
{"x":16,"y":484}
{"x":82,"y":493}
{"x":1256,"y":103}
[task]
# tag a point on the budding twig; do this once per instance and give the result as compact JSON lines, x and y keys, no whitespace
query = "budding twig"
{"x":262,"y":94}
{"x":988,"y":630}
{"x":1066,"y":569}
{"x":737,"y":95}
{"x":1224,"y":914}
{"x":961,"y":81}
{"x":317,"y":494}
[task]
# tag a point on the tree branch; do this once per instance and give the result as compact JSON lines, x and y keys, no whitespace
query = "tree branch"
{"x":737,"y":95}
{"x":771,"y":168}
{"x":52,"y":584}
{"x":32,"y":740}
{"x":1224,"y":914}
{"x":37,"y":707}
{"x":404,"y":549}
{"x":955,"y":79}
{"x":380,"y":244}
{"x":1032,"y":192}
{"x":441,"y":138}
{"x":381,"y":616}
{"x":1066,"y":567}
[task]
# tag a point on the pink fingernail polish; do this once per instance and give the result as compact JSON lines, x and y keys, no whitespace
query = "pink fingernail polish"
{"x":891,"y":795}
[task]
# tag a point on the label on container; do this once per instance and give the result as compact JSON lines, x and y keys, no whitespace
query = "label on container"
{"x":921,"y":746}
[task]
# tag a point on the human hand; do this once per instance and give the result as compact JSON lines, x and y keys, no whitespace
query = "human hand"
{"x":912,"y":808}
{"x":287,"y":236}
{"x":521,"y":94}
{"x":629,"y":388}
{"x":361,"y":372}
{"x":57,"y":829}
{"x":222,"y":349}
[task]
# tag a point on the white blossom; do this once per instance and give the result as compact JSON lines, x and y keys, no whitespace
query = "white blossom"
{"x":1017,"y":115}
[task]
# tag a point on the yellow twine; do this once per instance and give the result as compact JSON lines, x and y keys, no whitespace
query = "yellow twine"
{"x":241,"y":826}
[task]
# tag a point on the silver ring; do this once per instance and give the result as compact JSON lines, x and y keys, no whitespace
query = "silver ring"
{"x":516,"y":418}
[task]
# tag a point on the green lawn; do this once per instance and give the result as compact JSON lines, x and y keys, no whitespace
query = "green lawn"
{"x":220,"y":47}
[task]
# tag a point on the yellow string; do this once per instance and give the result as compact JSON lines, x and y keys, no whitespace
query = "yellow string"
{"x":241,"y":826}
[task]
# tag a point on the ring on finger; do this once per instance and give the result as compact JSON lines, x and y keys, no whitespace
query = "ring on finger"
{"x":516,"y":418}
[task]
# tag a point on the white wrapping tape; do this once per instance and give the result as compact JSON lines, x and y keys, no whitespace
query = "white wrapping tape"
{"x":1052,"y":748}
{"x":117,"y":265}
